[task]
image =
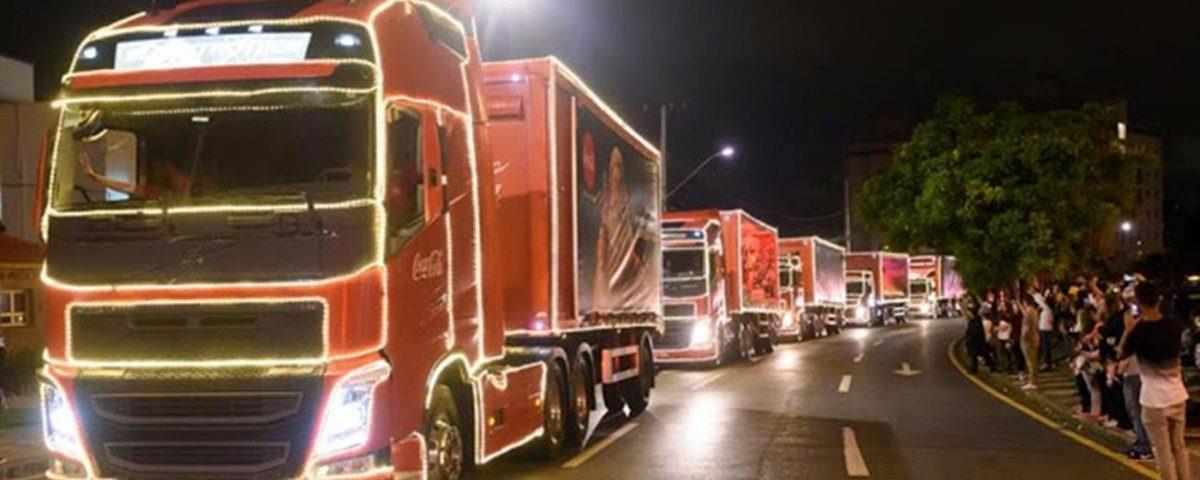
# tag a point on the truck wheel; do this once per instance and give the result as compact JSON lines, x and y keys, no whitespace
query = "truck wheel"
{"x":554,"y":408}
{"x":636,"y":391}
{"x":745,"y":342}
{"x":581,"y":391}
{"x":444,"y":431}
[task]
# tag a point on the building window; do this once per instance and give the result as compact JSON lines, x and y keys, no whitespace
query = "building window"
{"x":14,"y":308}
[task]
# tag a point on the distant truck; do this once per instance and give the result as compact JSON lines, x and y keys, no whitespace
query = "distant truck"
{"x":721,"y":295}
{"x":812,"y":274}
{"x":934,"y":286}
{"x":876,"y":287}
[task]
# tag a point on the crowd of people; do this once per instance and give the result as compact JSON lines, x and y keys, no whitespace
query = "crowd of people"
{"x":1121,"y":346}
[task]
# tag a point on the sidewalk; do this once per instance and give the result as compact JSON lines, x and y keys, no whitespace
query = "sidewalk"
{"x":22,"y":454}
{"x":1057,"y":398}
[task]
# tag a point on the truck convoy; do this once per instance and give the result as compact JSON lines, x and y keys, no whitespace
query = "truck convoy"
{"x":876,"y":287}
{"x":720,"y":287}
{"x":321,"y":239}
{"x":812,"y":274}
{"x":934,"y":286}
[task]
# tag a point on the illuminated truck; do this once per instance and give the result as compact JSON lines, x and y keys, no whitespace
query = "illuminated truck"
{"x":721,"y":295}
{"x":934,"y":286}
{"x":876,"y":287}
{"x":280,"y":246}
{"x":812,"y":274}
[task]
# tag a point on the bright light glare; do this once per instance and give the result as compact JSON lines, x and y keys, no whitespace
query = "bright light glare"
{"x":347,"y":422}
{"x":1126,"y":226}
{"x":347,"y":40}
{"x":60,"y":430}
{"x":701,"y":332}
{"x":728,"y":152}
{"x":90,"y":53}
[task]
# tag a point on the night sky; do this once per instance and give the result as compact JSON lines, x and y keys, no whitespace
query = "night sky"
{"x":788,"y":81}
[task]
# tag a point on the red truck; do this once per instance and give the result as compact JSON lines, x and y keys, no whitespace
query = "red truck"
{"x":322,"y":240}
{"x":876,"y":287}
{"x":934,"y":286}
{"x":720,"y":286}
{"x":812,"y":274}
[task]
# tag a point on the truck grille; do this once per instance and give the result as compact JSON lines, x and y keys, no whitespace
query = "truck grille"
{"x":198,"y":331}
{"x":200,"y":428}
{"x":679,"y":310}
{"x":678,"y":334}
{"x":198,"y":458}
{"x":172,"y":409}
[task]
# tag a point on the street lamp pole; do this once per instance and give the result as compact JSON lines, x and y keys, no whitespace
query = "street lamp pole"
{"x":726,"y":152}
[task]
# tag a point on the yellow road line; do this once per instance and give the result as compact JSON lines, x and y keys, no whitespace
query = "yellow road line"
{"x":1087,"y":442}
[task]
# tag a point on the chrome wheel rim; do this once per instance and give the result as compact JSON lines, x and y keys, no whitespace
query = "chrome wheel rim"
{"x":445,"y":451}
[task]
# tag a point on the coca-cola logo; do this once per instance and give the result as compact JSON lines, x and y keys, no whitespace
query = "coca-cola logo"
{"x":428,"y":266}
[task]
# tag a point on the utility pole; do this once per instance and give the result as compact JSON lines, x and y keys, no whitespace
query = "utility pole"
{"x":846,"y":208}
{"x":664,"y":112}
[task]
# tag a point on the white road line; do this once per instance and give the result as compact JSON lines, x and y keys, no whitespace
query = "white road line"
{"x":601,"y":445}
{"x":878,"y":343}
{"x":855,"y":465}
{"x":710,"y":379}
{"x":844,"y":387}
{"x":859,"y":357}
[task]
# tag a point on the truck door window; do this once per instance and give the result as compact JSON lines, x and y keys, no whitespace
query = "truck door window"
{"x":406,"y":182}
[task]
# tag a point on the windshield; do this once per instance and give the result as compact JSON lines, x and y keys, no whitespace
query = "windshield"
{"x":919,"y":288}
{"x":129,"y":155}
{"x":683,"y":264}
{"x":855,"y":287}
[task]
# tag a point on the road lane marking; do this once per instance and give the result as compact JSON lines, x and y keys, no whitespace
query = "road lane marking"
{"x":1147,"y":472}
{"x":855,"y":465}
{"x":859,"y":357}
{"x":877,"y":343}
{"x":601,"y":445}
{"x":844,"y":387}
{"x":710,"y":379}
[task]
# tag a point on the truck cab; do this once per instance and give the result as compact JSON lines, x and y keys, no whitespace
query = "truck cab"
{"x":860,"y":297}
{"x":795,"y":324}
{"x":922,"y":300}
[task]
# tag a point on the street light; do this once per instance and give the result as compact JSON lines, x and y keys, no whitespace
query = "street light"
{"x":726,"y":152}
{"x":1127,"y":226}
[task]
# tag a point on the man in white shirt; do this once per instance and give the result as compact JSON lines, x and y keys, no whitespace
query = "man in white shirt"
{"x":1045,"y":327}
{"x":1155,"y":341}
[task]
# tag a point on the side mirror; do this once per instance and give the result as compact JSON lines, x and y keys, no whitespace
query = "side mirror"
{"x":40,"y":199}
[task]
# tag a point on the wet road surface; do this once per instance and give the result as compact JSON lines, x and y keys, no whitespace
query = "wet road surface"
{"x":827,"y":409}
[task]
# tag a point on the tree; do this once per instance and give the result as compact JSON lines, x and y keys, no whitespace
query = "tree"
{"x":1011,"y":193}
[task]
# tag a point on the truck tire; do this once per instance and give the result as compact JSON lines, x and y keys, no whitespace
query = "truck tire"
{"x":581,"y":391}
{"x":446,"y":449}
{"x":636,"y":391}
{"x":555,"y":405}
{"x":745,"y":341}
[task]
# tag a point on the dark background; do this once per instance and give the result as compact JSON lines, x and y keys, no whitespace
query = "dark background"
{"x":788,"y":81}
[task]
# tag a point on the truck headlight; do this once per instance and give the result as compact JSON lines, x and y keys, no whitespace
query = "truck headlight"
{"x":59,"y":426}
{"x":871,"y":302}
{"x":788,"y":319}
{"x":346,"y":424}
{"x":860,"y":312}
{"x":702,"y":332}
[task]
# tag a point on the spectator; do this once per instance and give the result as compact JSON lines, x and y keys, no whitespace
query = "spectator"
{"x":1029,"y":339}
{"x":1155,"y":341}
{"x":1131,"y":384}
{"x":1087,"y":366}
{"x":976,"y":337}
{"x":3,"y":372}
{"x":1045,"y":326}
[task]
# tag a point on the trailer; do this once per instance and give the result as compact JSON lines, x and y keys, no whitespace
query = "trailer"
{"x":322,"y":240}
{"x":935,"y":287}
{"x":813,"y":278}
{"x":877,"y":287}
{"x":722,"y":300}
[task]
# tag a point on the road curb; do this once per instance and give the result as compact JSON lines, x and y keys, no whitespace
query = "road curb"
{"x":1099,"y":439}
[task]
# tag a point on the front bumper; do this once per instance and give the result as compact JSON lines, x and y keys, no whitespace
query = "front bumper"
{"x":704,"y":353}
{"x":216,"y":423}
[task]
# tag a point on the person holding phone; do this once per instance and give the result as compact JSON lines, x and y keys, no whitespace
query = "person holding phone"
{"x":1154,"y":340}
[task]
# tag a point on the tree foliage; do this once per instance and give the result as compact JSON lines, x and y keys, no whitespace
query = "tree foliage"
{"x":1011,"y":193}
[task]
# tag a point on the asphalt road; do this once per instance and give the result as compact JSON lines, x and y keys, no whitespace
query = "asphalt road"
{"x":793,"y":415}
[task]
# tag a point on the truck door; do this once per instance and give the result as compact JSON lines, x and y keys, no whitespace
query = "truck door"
{"x":418,"y":249}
